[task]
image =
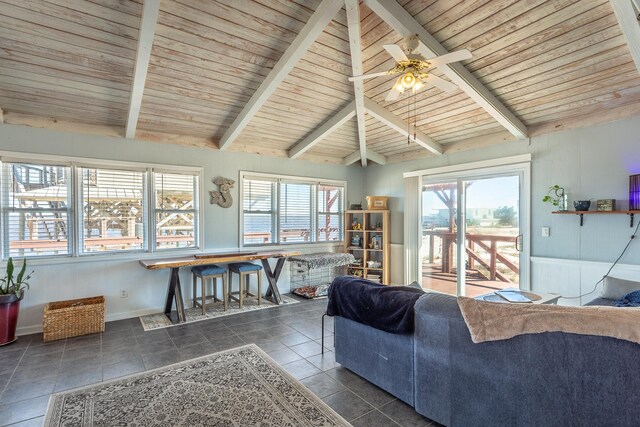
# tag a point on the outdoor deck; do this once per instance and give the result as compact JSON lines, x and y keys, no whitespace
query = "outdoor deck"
{"x":434,"y":279}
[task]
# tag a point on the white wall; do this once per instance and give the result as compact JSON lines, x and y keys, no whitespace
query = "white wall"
{"x":590,"y":163}
{"x":73,"y":278}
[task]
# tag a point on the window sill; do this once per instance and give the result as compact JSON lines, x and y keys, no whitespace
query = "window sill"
{"x":291,"y":246}
{"x":106,"y":257}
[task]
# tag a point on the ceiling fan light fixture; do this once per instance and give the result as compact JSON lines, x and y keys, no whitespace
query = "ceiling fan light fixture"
{"x":408,"y":80}
{"x":419,"y":85}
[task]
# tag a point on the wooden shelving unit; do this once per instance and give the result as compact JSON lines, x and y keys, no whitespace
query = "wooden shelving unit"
{"x":375,"y":228}
{"x":582,"y":213}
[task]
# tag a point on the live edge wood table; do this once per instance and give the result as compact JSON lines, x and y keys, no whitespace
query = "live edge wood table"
{"x":174,"y":292}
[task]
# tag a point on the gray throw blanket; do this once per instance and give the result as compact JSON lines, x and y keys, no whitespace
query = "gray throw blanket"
{"x":632,"y":299}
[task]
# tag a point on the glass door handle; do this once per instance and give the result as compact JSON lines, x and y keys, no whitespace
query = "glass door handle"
{"x":519,"y":243}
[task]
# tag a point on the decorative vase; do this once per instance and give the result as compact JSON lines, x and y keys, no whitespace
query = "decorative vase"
{"x":563,"y":202}
{"x":9,"y":309}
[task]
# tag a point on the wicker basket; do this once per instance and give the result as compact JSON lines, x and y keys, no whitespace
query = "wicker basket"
{"x":64,"y":319}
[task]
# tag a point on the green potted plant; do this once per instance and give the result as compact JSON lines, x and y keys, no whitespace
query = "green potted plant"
{"x":11,"y":293}
{"x":557,"y":197}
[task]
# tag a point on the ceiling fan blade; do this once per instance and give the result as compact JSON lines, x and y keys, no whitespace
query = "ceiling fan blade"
{"x":396,"y":52}
{"x":440,"y":83}
{"x":395,"y":91}
{"x":368,"y":76}
{"x":458,"y":55}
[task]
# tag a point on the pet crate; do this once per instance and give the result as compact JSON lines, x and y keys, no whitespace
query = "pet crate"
{"x":311,"y":274}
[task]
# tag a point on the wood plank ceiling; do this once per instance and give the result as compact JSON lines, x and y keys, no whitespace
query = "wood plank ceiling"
{"x":68,"y":64}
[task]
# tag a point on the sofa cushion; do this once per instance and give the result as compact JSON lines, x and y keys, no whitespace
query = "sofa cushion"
{"x":615,"y":288}
{"x":388,"y":308}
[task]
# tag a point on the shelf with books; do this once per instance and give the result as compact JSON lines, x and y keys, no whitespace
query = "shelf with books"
{"x":368,"y":239}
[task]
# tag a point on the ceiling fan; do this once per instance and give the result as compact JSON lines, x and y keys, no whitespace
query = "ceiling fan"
{"x":415,"y":69}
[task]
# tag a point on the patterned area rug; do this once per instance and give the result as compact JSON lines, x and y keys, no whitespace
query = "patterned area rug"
{"x":159,"y":320}
{"x":238,"y":387}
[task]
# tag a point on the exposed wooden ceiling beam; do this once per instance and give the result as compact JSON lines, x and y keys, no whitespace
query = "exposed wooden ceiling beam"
{"x":323,"y":14}
{"x":150,"y":11}
{"x":353,"y":23}
{"x":628,"y":20}
{"x":323,"y":130}
{"x":396,"y":123}
{"x":404,"y":24}
{"x":371,"y":155}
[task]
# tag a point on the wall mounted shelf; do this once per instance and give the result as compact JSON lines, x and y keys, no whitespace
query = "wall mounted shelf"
{"x":582,"y":213}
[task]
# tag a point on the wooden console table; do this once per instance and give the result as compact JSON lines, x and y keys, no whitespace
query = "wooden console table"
{"x":174,"y":291}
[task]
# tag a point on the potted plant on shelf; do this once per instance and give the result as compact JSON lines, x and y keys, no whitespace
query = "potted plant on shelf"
{"x":557,"y":197}
{"x":11,"y":293}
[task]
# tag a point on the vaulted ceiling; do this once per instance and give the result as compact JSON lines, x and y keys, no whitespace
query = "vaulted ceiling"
{"x":270,"y":76}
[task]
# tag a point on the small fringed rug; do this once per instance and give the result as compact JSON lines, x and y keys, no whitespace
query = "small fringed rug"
{"x":238,"y":387}
{"x":159,"y":320}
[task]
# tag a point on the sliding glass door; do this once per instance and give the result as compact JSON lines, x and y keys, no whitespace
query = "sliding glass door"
{"x":473,"y":232}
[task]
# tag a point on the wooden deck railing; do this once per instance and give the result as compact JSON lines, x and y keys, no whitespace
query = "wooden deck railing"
{"x":487,"y":242}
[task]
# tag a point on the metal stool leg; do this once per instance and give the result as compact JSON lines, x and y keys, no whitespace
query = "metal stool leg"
{"x":194,"y":297}
{"x":224,"y":291}
{"x":259,"y":288}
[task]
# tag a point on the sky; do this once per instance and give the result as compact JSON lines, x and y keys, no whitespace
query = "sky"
{"x":484,"y":193}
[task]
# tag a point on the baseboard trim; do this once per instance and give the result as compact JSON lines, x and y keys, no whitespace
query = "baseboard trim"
{"x":35,"y":329}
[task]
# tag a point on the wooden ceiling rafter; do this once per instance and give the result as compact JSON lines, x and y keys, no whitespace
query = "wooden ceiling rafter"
{"x":323,"y":131}
{"x":371,"y":155}
{"x":313,"y":28}
{"x":404,"y":24}
{"x":628,"y":19}
{"x":148,"y":22}
{"x":353,"y":23}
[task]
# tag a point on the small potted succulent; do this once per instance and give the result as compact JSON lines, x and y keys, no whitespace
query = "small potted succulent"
{"x":11,"y":293}
{"x":557,"y":197}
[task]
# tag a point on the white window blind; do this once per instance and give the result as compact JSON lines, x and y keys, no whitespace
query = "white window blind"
{"x":36,"y":200}
{"x":295,"y":212}
{"x":113,"y":211}
{"x":258,"y":207}
{"x":330,"y":213}
{"x":176,"y":210}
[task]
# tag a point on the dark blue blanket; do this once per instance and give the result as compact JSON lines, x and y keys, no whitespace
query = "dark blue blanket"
{"x":388,"y":308}
{"x":632,"y":299}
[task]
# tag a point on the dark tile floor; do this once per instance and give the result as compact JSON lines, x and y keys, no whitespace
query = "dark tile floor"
{"x":31,"y":370}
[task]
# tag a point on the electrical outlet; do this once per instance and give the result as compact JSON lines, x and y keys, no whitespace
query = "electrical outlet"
{"x":123,"y":293}
{"x":546,"y":232}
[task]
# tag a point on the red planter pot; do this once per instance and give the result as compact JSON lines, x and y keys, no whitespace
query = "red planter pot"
{"x":9,"y":309}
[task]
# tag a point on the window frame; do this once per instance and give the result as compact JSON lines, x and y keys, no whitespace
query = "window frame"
{"x":75,"y":224}
{"x":5,"y":209}
{"x":278,"y":179}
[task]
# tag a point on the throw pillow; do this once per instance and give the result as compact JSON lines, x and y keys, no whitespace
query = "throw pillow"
{"x":615,"y":288}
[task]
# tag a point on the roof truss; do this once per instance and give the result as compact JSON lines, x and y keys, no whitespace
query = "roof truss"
{"x":150,"y":12}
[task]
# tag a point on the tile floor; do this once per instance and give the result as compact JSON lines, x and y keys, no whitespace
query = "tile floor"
{"x":31,"y":370}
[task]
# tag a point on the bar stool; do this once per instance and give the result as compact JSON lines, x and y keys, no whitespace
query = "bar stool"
{"x":206,"y":272}
{"x":244,"y":270}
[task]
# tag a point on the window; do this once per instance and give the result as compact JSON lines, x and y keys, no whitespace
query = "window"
{"x":295,"y":218}
{"x":330,"y":213}
{"x":78,"y":207}
{"x":112,"y":211}
{"x":176,"y":210}
{"x":258,"y":207}
{"x":290,"y":210}
{"x":35,"y":209}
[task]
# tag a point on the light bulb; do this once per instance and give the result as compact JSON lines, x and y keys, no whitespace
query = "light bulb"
{"x":419,"y":85}
{"x":408,"y":80}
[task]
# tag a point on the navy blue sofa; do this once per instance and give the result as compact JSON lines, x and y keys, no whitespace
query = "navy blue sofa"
{"x":549,"y":379}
